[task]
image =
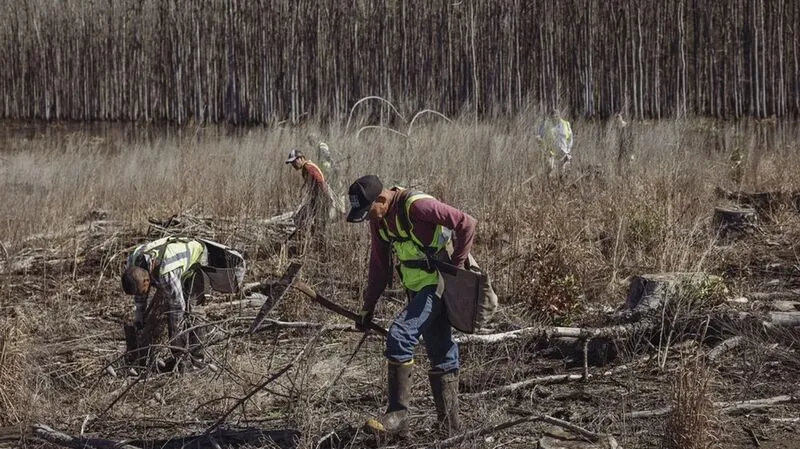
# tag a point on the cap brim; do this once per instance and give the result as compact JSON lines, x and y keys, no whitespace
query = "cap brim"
{"x":358,"y":215}
{"x":290,"y":160}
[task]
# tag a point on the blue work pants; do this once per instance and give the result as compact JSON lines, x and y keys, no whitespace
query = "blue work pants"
{"x":425,"y":316}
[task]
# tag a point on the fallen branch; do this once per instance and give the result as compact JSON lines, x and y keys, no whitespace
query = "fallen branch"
{"x":771,"y":296}
{"x":784,"y":420}
{"x":261,"y":386}
{"x":543,"y":380}
{"x":252,"y":300}
{"x":770,"y":319}
{"x":553,"y":379}
{"x":724,"y":407}
{"x":557,"y":332}
{"x":724,"y":347}
{"x":227,"y":437}
{"x":486,"y":430}
{"x":733,"y":406}
{"x":49,"y":435}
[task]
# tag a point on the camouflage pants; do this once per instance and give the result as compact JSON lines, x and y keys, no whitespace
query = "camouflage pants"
{"x":185,"y":337}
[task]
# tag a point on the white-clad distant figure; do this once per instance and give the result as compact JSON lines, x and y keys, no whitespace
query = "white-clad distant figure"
{"x":556,"y":134}
{"x":326,"y":159}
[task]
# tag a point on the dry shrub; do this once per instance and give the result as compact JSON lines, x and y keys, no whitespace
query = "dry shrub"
{"x":13,"y":380}
{"x":548,"y":281}
{"x":692,"y":422}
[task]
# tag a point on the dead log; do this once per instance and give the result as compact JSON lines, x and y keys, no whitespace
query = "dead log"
{"x":720,"y":322}
{"x":724,"y":407}
{"x":763,"y":202}
{"x":610,"y":332}
{"x":773,"y":319}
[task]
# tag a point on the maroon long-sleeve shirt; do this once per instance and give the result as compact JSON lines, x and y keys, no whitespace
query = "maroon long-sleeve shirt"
{"x":425,"y":214}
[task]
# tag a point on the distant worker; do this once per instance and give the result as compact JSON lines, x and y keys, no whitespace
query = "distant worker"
{"x":415,"y":228}
{"x":624,"y":144}
{"x":318,"y":203}
{"x":325,"y":158}
{"x":172,"y":266}
{"x":556,"y":134}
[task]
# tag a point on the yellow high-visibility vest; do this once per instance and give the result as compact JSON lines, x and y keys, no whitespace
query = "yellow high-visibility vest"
{"x":407,"y":247}
{"x":170,"y":253}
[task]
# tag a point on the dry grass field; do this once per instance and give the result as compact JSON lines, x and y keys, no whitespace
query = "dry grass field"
{"x":76,"y":199}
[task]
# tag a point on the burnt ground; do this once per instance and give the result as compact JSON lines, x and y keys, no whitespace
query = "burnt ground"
{"x":62,"y":344}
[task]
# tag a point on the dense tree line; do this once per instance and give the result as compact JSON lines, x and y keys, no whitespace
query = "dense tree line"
{"x":273,"y":60}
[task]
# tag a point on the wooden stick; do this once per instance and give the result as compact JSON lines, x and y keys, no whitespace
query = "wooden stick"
{"x":458,"y":439}
{"x":332,"y":306}
{"x":543,"y":380}
{"x":725,"y":407}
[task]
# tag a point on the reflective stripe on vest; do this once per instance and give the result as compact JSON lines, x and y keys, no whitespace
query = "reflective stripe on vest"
{"x":173,"y":253}
{"x":407,"y":247}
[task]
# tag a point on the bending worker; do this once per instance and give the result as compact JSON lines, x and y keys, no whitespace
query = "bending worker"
{"x":416,"y":228}
{"x":172,"y":266}
{"x":317,"y":204}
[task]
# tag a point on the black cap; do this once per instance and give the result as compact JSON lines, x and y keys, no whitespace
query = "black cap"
{"x":294,"y":154}
{"x":362,"y":194}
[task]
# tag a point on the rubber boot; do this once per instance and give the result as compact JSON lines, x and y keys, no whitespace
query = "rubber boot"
{"x":444,"y":386}
{"x":394,"y":423}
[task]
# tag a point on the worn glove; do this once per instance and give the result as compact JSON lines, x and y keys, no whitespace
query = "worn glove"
{"x":363,"y":320}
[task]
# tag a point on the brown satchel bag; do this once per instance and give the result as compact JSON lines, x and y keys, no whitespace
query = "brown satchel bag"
{"x":468,"y":295}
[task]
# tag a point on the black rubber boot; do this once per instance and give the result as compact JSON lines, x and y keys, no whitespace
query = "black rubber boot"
{"x":394,"y":423}
{"x":444,"y":386}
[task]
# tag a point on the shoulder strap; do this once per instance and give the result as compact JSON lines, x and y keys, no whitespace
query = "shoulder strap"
{"x":402,"y":212}
{"x":402,"y":216}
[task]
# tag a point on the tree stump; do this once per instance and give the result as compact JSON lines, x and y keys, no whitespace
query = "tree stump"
{"x":733,"y":222}
{"x":649,"y":293}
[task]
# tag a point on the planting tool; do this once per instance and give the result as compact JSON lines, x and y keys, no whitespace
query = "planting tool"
{"x":276,"y":292}
{"x":333,"y":307}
